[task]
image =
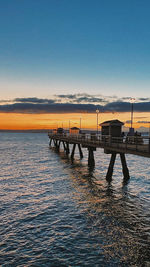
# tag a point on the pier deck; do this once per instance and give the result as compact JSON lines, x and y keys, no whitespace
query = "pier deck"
{"x":117,"y":145}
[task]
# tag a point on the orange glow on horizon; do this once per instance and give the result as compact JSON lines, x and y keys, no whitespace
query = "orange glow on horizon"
{"x":18,"y":121}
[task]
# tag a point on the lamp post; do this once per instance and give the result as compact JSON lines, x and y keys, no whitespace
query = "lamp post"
{"x":80,"y":124}
{"x":97,"y":112}
{"x":132,"y":101}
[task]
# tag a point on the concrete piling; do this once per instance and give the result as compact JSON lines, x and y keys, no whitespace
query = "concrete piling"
{"x":91,"y":160}
{"x":124,"y":166}
{"x":111,"y":166}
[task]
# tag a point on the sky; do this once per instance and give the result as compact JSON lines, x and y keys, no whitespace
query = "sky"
{"x":59,"y":58}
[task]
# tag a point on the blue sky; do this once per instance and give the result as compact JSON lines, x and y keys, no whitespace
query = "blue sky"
{"x":74,"y":46}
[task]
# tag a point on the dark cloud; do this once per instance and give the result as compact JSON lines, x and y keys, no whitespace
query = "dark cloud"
{"x":48,"y":108}
{"x":117,"y":106}
{"x":34,"y":100}
{"x":144,"y":99}
{"x":75,"y":103}
{"x":142,"y":107}
{"x":126,"y":106}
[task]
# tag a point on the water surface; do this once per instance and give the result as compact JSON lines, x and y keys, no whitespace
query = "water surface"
{"x":55,"y":212}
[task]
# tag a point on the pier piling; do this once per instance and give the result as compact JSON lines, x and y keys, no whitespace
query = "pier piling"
{"x":67,"y":148}
{"x":91,"y":160}
{"x":73,"y":150}
{"x":111,"y":166}
{"x":124,"y":166}
{"x":50,"y":142}
{"x":80,"y":151}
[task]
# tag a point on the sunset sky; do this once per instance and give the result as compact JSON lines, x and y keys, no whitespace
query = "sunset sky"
{"x":60,"y":60}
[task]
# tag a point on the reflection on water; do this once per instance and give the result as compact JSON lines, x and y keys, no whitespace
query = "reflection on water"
{"x":56,"y":212}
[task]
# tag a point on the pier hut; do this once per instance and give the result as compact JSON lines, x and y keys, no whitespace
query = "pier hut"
{"x":54,"y":131}
{"x":112,"y":128}
{"x":60,"y":131}
{"x":74,"y":131}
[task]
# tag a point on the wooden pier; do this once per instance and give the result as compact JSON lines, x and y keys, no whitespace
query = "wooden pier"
{"x":111,"y":145}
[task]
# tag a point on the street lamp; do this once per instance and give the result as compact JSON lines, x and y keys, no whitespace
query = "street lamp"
{"x":132,"y":100}
{"x":97,"y":111}
{"x":80,"y":124}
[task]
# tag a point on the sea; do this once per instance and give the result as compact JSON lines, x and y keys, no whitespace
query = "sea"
{"x":58,"y":212}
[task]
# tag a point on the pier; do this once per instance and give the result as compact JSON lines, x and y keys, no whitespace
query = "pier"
{"x":111,"y":145}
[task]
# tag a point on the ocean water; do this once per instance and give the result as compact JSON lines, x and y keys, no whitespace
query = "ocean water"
{"x":54,"y":212}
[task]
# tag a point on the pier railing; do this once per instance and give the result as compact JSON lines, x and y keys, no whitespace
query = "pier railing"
{"x":127,"y":143}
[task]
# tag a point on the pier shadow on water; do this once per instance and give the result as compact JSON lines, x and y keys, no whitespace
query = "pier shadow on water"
{"x":117,"y":222}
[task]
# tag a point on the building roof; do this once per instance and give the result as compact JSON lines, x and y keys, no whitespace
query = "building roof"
{"x":112,"y":122}
{"x":74,"y":128}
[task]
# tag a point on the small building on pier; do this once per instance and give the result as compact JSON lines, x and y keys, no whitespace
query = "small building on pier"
{"x":60,"y":130}
{"x":54,"y":131}
{"x":74,"y":131}
{"x":112,"y":128}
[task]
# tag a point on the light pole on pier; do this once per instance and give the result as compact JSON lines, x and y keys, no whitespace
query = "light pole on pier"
{"x":80,"y":124}
{"x":132,"y":100}
{"x":97,"y":112}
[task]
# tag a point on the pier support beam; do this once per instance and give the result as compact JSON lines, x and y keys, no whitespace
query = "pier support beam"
{"x":91,"y":161}
{"x":124,"y":166}
{"x":80,"y":151}
{"x":55,"y":142}
{"x":58,"y":145}
{"x":111,"y":166}
{"x":50,"y":142}
{"x":73,"y":150}
{"x":67,"y":148}
{"x":64,"y":146}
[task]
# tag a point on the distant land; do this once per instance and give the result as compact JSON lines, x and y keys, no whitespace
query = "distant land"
{"x":66,"y":130}
{"x":26,"y":131}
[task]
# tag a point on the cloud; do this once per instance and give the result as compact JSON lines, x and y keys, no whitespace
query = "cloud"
{"x":144,"y":122}
{"x":82,"y":98}
{"x":126,"y":106}
{"x":91,"y":100}
{"x":34,"y":100}
{"x":67,"y":96}
{"x":48,"y":108}
{"x":117,"y":106}
{"x":71,"y":103}
{"x":144,"y":99}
